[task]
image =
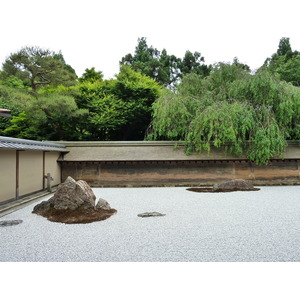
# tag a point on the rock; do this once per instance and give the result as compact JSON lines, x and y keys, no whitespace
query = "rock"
{"x":74,"y":202}
{"x":228,"y":186}
{"x":10,"y":222}
{"x":151,"y":214}
{"x":234,"y":185}
{"x":103,"y":204}
{"x":70,"y":195}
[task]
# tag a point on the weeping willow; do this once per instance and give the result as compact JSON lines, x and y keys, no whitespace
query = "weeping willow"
{"x":231,"y":109}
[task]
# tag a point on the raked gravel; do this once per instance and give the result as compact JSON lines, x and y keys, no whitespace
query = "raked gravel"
{"x":256,"y":226}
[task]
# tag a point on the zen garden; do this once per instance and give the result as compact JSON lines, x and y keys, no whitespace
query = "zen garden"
{"x":247,"y":116}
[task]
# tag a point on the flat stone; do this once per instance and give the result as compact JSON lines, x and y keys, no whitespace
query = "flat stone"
{"x":151,"y":214}
{"x":10,"y":222}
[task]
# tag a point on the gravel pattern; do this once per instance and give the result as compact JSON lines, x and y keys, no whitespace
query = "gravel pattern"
{"x":256,"y":226}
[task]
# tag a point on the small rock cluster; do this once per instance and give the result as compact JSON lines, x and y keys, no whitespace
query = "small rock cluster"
{"x":74,"y":202}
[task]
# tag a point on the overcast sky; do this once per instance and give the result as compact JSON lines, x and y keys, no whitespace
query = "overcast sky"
{"x":96,"y":33}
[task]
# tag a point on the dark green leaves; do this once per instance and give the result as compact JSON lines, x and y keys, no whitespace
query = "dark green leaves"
{"x":39,"y":67}
{"x":243,"y":113}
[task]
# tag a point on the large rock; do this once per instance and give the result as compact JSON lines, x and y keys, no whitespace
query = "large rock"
{"x":70,"y":195}
{"x":234,"y":185}
{"x":228,"y":186}
{"x":74,"y":202}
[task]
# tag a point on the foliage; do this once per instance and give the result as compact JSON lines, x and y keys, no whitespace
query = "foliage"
{"x":91,"y":75}
{"x":13,"y":99}
{"x":285,"y":62}
{"x":244,"y":113}
{"x":50,"y":114}
{"x":120,"y":108}
{"x":164,"y":68}
{"x":205,"y":106}
{"x":38,"y":67}
{"x":51,"y":117}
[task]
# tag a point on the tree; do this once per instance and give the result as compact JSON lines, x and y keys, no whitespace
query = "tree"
{"x":193,"y":63}
{"x":285,"y":62}
{"x":14,"y":98}
{"x":38,"y":67}
{"x":164,"y":68}
{"x":120,"y":108}
{"x":243,"y":113}
{"x":91,"y":75}
{"x":49,"y":117}
{"x":145,"y":59}
{"x":284,"y":47}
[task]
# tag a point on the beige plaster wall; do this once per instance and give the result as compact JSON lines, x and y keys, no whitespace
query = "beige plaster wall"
{"x":7,"y":174}
{"x":52,"y":167}
{"x":187,"y":173}
{"x":31,"y":172}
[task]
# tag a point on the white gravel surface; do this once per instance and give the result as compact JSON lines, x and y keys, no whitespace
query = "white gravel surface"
{"x":239,"y":226}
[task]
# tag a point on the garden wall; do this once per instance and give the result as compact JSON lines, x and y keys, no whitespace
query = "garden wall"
{"x":162,"y":164}
{"x":24,"y":165}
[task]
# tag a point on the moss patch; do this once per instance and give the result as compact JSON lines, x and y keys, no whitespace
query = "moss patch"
{"x":78,"y":216}
{"x":211,"y":190}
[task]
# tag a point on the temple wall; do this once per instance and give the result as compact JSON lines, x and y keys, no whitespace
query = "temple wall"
{"x":172,"y":173}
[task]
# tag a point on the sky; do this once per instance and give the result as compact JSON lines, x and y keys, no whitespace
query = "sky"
{"x":97,"y":33}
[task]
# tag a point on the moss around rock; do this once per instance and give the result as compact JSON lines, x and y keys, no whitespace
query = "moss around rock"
{"x":74,"y":202}
{"x":78,"y":216}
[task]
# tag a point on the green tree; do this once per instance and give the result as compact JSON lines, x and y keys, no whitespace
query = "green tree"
{"x":38,"y":67}
{"x":91,"y":75}
{"x":285,"y":62}
{"x":164,"y":68}
{"x":193,"y":63}
{"x":48,"y":117}
{"x":284,"y":47}
{"x":12,"y":97}
{"x":145,"y":59}
{"x":232,"y":109}
{"x":120,"y":108}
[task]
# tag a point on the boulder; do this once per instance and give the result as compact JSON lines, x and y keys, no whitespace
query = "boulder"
{"x":234,"y":185}
{"x":74,"y":202}
{"x":70,"y":195}
{"x":228,"y":186}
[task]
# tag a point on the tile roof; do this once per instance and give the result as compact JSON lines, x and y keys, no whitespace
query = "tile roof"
{"x":137,"y":151}
{"x":151,"y":151}
{"x":22,"y":144}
